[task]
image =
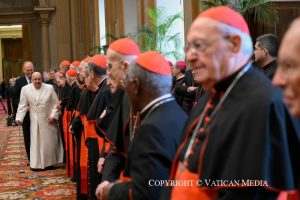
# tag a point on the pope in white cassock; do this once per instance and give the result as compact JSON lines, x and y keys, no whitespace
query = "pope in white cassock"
{"x":46,"y":147}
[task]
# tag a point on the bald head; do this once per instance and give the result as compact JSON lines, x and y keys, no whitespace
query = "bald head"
{"x":28,"y":68}
{"x":36,"y":74}
{"x":287,"y":75}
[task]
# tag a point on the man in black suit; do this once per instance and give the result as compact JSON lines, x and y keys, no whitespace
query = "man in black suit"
{"x":20,"y":82}
{"x":155,"y":141}
{"x":265,"y":54}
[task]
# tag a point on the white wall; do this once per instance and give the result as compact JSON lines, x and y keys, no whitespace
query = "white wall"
{"x":102,"y":23}
{"x":130,"y":16}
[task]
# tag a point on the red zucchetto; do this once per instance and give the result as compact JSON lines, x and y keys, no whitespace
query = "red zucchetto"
{"x":227,"y":16}
{"x":65,"y":63}
{"x":72,"y":73}
{"x":99,"y":60}
{"x":75,"y":63}
{"x":154,"y":62}
{"x":125,"y":46}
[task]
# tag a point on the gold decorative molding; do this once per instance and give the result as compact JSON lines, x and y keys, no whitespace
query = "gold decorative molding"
{"x":9,"y":33}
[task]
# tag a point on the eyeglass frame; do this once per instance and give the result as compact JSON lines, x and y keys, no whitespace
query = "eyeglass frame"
{"x":201,"y":45}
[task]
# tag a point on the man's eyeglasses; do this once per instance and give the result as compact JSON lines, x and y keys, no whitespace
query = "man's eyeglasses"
{"x":200,"y":45}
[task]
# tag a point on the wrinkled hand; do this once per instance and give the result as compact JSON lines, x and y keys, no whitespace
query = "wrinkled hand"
{"x":19,"y":123}
{"x":51,"y":120}
{"x":100,"y":165}
{"x":99,"y":189}
{"x":106,"y":191}
{"x":70,"y":129}
{"x":57,"y":105}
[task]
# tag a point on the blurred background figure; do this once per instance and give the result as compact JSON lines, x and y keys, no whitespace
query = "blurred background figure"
{"x":265,"y":54}
{"x":9,"y":95}
{"x":178,"y":71}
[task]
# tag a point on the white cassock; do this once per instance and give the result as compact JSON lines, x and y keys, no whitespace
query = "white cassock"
{"x":46,"y":147}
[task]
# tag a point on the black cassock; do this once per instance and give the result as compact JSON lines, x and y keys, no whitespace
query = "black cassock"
{"x":151,"y":152}
{"x":251,"y":137}
{"x":118,"y":136}
{"x":100,"y":102}
{"x":84,"y":104}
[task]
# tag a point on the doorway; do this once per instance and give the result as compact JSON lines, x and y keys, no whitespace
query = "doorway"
{"x":11,"y":52}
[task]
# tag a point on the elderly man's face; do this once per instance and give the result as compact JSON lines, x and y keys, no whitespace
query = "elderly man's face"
{"x":63,"y":69}
{"x":60,"y":81}
{"x":288,"y":73}
{"x":88,"y":79}
{"x":37,"y":81}
{"x":208,"y":52}
{"x":80,"y":79}
{"x":115,"y":66}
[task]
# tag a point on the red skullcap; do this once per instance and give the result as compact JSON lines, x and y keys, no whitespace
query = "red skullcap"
{"x":181,"y":64}
{"x":65,"y":63}
{"x":75,"y":63}
{"x":154,"y":62}
{"x":72,"y":73}
{"x":87,"y":59}
{"x":125,"y":46}
{"x":99,"y":60}
{"x":227,"y":16}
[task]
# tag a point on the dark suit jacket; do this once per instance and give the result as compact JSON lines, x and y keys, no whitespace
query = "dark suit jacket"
{"x":20,"y":82}
{"x":151,"y":153}
{"x":269,"y":69}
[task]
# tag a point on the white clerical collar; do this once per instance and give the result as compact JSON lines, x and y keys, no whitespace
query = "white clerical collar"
{"x":180,"y":77}
{"x":105,"y":77}
{"x":154,"y":101}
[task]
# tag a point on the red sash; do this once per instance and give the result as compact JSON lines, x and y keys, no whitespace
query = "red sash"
{"x":66,"y":121}
{"x":289,"y":195}
{"x":192,"y":191}
{"x":83,"y":158}
{"x":91,"y":133}
{"x":126,"y":179}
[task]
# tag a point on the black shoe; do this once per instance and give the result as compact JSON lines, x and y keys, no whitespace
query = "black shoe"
{"x":50,"y":167}
{"x":36,"y":170}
